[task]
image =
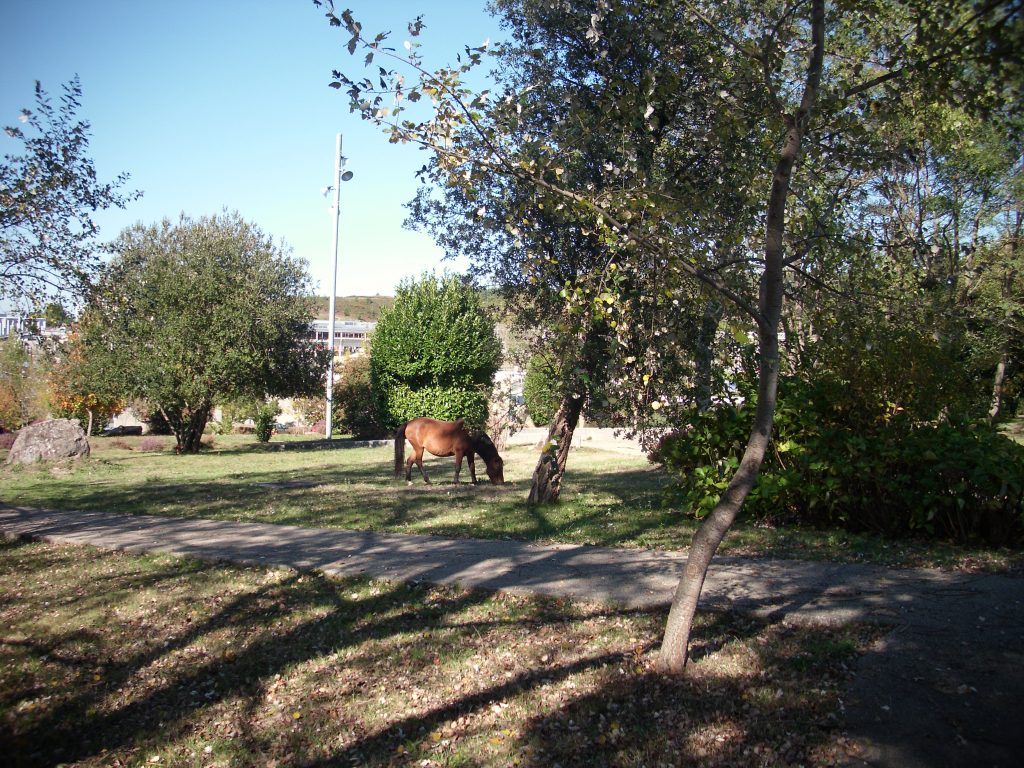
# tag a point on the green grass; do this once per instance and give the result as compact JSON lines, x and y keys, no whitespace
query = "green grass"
{"x":110,"y":659}
{"x":608,"y":498}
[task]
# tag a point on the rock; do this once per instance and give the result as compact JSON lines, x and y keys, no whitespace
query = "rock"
{"x":54,"y":439}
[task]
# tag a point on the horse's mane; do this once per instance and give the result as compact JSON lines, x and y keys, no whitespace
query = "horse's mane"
{"x":482,"y":445}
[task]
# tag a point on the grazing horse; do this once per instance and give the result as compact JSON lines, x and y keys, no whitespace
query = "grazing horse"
{"x":446,"y":438}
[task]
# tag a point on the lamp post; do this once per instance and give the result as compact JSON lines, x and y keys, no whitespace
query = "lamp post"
{"x":339,"y":176}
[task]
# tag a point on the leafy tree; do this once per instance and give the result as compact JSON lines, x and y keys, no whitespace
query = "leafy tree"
{"x":71,"y":394}
{"x":56,"y":315}
{"x":48,"y":196}
{"x":191,"y":314}
{"x":765,"y":118}
{"x":434,"y":353}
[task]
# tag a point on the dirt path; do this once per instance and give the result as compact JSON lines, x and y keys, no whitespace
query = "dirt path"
{"x":944,"y":688}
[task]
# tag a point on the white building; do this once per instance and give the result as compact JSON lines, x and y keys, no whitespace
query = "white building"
{"x":350,"y":336}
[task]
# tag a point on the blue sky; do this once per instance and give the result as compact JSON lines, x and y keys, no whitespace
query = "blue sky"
{"x":222,"y":103}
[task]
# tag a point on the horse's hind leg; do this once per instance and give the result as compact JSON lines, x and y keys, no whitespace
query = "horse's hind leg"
{"x":418,"y":458}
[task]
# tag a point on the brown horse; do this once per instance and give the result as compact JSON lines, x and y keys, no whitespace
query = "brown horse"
{"x":446,"y":438}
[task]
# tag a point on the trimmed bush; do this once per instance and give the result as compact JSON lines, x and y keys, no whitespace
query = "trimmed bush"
{"x":434,"y":353}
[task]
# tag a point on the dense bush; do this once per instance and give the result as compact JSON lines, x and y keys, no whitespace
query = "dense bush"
{"x":895,"y":475}
{"x":434,"y":353}
{"x":355,"y":404}
{"x":445,"y":403}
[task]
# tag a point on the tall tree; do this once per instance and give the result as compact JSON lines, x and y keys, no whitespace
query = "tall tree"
{"x":768,"y":112}
{"x":48,"y":197}
{"x":193,"y":313}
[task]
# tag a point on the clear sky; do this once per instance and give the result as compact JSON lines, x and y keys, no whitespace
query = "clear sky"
{"x":213,"y":104}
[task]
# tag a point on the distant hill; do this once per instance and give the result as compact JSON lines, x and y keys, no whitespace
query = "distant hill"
{"x":353,"y":307}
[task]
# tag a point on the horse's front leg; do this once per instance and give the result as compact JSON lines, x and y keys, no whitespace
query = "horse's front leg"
{"x":472,"y":466}
{"x":418,"y":458}
{"x":458,"y":466}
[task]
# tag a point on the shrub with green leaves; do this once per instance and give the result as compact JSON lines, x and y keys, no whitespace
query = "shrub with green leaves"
{"x":266,"y":415}
{"x":434,"y":353}
{"x":896,"y":476}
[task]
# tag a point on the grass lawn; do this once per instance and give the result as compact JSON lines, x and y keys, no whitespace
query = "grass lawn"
{"x":608,"y":498}
{"x":109,"y":659}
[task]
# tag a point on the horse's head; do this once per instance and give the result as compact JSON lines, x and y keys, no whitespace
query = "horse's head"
{"x":496,"y":470}
{"x":494,"y":463}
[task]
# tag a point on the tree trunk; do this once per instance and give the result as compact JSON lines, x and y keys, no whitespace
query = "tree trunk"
{"x":997,"y":390}
{"x":547,"y":477}
{"x":88,"y":429}
{"x":188,"y":426}
{"x":675,"y":644}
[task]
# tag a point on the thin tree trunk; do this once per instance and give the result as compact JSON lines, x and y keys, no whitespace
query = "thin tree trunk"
{"x":590,"y":361}
{"x":547,"y":477}
{"x":997,"y":389}
{"x":675,"y":644}
{"x":88,"y":429}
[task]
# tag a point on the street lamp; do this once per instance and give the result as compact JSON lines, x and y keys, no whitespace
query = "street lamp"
{"x":340,"y":175}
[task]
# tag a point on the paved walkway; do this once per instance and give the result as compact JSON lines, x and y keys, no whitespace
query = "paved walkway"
{"x":945,"y":687}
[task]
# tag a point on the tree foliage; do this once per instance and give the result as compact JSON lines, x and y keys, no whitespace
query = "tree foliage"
{"x":73,"y":396}
{"x":542,"y":388}
{"x":197,"y":312}
{"x":48,"y":197}
{"x":434,"y":353}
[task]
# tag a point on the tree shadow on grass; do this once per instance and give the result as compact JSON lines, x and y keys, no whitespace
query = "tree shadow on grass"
{"x":86,"y":723}
{"x":179,"y":683}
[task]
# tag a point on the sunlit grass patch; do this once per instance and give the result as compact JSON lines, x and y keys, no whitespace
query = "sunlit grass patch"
{"x":608,"y":499}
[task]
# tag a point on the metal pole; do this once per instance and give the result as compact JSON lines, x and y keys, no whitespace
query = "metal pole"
{"x":334,"y":289}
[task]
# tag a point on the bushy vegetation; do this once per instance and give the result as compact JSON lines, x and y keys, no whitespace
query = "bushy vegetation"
{"x":22,"y":386}
{"x":266,"y":414}
{"x":355,"y":405}
{"x":165,"y":321}
{"x":434,"y":353}
{"x":880,"y":471}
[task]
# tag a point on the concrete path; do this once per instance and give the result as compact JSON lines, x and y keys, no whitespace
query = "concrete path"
{"x":945,"y":687}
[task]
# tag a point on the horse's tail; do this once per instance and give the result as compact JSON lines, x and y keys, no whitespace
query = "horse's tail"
{"x":400,"y":449}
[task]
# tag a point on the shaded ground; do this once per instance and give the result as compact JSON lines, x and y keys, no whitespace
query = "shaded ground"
{"x":943,"y":687}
